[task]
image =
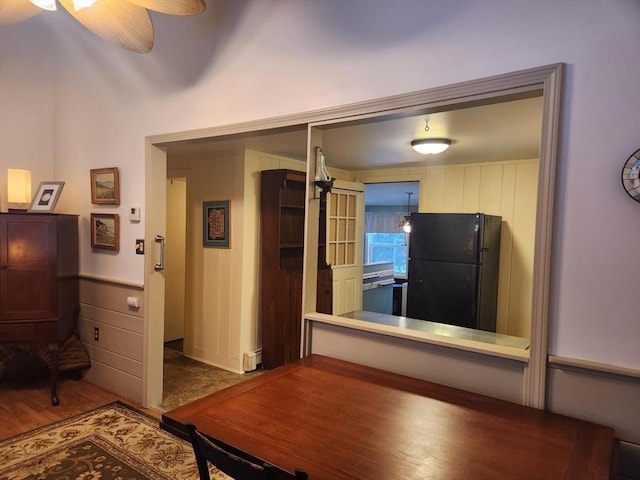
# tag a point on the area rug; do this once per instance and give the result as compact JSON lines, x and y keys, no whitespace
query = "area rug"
{"x":113,"y":442}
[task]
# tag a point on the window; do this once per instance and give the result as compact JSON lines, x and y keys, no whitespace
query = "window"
{"x":388,"y":247}
{"x":342,"y":229}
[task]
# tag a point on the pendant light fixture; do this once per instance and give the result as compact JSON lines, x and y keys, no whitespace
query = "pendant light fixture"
{"x":428,"y":146}
{"x":406,"y":223}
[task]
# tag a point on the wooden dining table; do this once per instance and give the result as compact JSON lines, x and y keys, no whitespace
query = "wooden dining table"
{"x":339,"y":420}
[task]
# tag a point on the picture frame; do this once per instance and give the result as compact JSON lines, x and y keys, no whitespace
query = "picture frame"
{"x":215,"y":224}
{"x":46,"y":197}
{"x":105,"y":186}
{"x":105,"y":231}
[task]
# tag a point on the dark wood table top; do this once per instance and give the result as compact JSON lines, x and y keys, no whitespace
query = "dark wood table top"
{"x":339,"y":420}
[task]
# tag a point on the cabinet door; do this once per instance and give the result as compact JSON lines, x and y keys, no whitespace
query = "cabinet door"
{"x":27,"y":267}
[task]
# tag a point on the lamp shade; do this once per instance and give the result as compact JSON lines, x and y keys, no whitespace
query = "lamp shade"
{"x":18,"y":185}
{"x":430,"y":145}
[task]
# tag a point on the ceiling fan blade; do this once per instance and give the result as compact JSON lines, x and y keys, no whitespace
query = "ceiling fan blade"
{"x":14,"y":11}
{"x":119,"y":22}
{"x":172,"y":7}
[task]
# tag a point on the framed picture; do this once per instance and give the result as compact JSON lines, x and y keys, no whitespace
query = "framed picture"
{"x":105,"y":231}
{"x":46,"y":197}
{"x":105,"y":186}
{"x":215,"y":224}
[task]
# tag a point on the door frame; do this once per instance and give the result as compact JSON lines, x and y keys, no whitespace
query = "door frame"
{"x":546,"y":80}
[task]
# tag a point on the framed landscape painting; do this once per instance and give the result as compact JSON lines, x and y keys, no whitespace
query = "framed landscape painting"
{"x":105,"y":186}
{"x":105,"y":231}
{"x":215,"y":224}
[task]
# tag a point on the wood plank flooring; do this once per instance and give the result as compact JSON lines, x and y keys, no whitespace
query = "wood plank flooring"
{"x":27,"y":405}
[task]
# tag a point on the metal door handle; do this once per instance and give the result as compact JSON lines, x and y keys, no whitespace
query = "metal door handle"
{"x":160,"y":265}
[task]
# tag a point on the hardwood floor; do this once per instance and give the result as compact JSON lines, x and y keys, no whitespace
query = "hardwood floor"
{"x":27,"y":405}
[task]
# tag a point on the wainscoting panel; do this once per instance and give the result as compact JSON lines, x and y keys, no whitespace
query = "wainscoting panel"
{"x":492,"y":376}
{"x":117,"y":353}
{"x":608,"y":396}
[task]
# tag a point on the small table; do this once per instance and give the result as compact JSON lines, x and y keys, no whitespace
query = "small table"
{"x":339,"y":420}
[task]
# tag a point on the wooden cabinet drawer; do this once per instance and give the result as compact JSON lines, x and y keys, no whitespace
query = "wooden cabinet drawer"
{"x":17,"y":332}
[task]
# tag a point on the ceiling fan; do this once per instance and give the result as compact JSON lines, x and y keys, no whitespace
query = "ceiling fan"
{"x":124,"y":22}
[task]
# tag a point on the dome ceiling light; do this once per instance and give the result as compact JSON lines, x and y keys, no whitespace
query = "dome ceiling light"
{"x":124,"y":22}
{"x":428,"y":146}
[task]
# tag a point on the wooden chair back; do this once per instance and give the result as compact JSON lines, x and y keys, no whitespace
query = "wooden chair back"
{"x":207,"y":451}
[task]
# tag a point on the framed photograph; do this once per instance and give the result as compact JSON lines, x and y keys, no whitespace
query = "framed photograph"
{"x":105,"y":231}
{"x":215,"y":224}
{"x":105,"y":186}
{"x":46,"y":197}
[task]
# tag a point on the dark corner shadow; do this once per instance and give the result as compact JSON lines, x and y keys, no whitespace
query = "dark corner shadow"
{"x":189,"y":45}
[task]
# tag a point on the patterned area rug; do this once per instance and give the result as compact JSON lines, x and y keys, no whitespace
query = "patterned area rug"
{"x":113,"y":442}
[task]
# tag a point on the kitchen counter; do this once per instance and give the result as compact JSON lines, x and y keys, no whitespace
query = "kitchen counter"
{"x":441,"y":329}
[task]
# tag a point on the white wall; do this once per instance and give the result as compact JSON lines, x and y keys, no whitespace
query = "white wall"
{"x":245,"y":60}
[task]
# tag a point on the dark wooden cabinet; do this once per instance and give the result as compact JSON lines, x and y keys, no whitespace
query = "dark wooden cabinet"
{"x":39,"y":282}
{"x":282,"y":209}
{"x":324,"y":283}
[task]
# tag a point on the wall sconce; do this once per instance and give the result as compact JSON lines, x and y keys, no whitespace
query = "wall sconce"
{"x":322,"y":178}
{"x":19,"y":189}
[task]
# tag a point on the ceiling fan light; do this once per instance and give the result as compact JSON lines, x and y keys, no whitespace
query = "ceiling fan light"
{"x":430,"y":145}
{"x":80,"y":4}
{"x":45,"y":4}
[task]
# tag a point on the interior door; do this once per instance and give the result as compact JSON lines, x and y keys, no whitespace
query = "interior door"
{"x":345,"y":238}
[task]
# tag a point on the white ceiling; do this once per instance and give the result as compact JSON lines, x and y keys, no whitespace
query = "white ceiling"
{"x":497,"y":132}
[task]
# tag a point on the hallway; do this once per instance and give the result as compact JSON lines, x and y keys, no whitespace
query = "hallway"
{"x":186,"y":380}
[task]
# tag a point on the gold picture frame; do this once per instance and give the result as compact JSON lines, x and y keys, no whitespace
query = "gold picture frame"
{"x":105,"y":186}
{"x":105,"y":231}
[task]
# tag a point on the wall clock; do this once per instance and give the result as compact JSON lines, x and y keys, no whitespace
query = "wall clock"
{"x":631,"y":176}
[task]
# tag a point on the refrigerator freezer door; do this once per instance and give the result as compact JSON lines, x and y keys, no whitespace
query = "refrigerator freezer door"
{"x":443,"y":292}
{"x":446,"y":237}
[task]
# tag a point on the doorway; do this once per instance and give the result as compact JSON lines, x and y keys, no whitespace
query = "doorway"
{"x":386,"y":244}
{"x":175,"y":261}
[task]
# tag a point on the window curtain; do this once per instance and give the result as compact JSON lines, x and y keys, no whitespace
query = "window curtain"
{"x":383,"y":222}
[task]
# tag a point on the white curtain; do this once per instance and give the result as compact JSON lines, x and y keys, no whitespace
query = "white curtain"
{"x":383,"y":222}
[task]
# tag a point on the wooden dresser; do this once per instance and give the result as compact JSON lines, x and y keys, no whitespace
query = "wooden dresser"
{"x":39,"y":283}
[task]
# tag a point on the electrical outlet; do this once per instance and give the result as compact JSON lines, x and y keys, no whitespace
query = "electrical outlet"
{"x":96,"y":334}
{"x":139,"y":246}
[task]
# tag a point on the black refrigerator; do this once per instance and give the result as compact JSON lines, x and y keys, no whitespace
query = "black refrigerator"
{"x":453,"y":269}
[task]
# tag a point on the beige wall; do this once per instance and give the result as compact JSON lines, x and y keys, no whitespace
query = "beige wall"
{"x":508,"y":189}
{"x":175,"y":255}
{"x":222,"y":284}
